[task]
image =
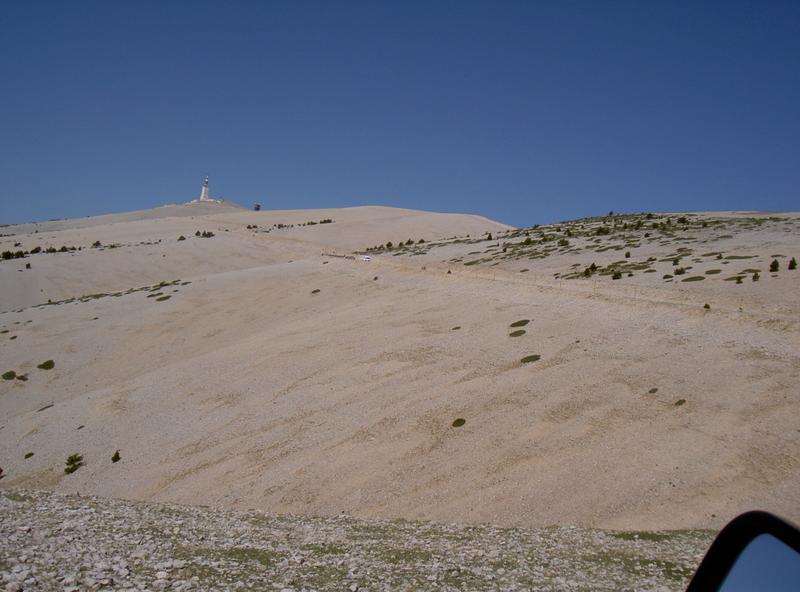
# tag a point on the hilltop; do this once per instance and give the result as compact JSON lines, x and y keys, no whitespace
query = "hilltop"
{"x":266,"y":366}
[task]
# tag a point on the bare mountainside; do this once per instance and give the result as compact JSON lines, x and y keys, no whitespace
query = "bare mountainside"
{"x":566,"y":374}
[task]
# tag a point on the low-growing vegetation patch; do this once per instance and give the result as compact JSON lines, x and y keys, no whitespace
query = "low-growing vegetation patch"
{"x":680,"y":402}
{"x":10,"y":375}
{"x":531,"y":358}
{"x":456,"y":328}
{"x":28,"y":455}
{"x":115,"y":457}
{"x":713,"y":271}
{"x":517,"y":333}
{"x":162,"y":298}
{"x":458,"y":422}
{"x":520,"y":323}
{"x":46,"y":365}
{"x":73,"y":463}
{"x":316,"y":291}
{"x":694,"y":278}
{"x":653,"y":390}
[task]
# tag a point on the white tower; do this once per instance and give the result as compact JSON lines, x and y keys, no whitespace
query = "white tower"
{"x":204,"y":190}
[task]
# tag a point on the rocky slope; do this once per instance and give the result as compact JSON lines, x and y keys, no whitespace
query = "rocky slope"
{"x":66,"y":542}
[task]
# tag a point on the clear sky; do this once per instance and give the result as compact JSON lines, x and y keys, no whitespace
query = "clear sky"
{"x":525,"y":112}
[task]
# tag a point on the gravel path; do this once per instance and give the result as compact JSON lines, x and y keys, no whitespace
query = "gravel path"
{"x":68,"y":542}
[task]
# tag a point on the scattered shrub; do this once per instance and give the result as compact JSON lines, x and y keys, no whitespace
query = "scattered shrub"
{"x":115,"y":457}
{"x":738,"y":279}
{"x":695,"y":278}
{"x":28,"y":455}
{"x":457,"y":423}
{"x":774,"y":266}
{"x":679,"y":271}
{"x":517,"y":333}
{"x":162,"y":298}
{"x":531,"y":358}
{"x":181,"y":238}
{"x":627,"y":254}
{"x":520,"y":323}
{"x":46,"y":365}
{"x":792,"y":264}
{"x":653,"y":390}
{"x":617,"y":275}
{"x":97,"y":244}
{"x":10,"y":375}
{"x":74,"y":462}
{"x":756,"y":277}
{"x":456,"y":328}
{"x":315,"y":291}
{"x":680,"y":402}
{"x":22,"y":377}
{"x":707,"y":306}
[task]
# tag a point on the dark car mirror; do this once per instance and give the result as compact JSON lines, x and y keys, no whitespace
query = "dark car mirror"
{"x":755,"y":551}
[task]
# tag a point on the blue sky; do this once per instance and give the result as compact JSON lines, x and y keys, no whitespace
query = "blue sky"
{"x":525,"y":112}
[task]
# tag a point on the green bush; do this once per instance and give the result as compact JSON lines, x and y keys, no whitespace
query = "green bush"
{"x":627,"y":254}
{"x":680,"y":402}
{"x":520,"y":323}
{"x":792,"y":264}
{"x":457,"y":423}
{"x":10,"y":375}
{"x":617,"y":275}
{"x":531,"y":358}
{"x":74,"y":462}
{"x":46,"y":365}
{"x":653,"y":390}
{"x":517,"y":333}
{"x":774,"y":266}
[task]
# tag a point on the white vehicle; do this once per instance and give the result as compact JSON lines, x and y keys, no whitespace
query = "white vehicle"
{"x":366,"y":258}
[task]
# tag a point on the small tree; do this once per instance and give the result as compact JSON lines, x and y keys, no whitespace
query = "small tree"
{"x":774,"y":266}
{"x":792,"y":264}
{"x":756,"y":277}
